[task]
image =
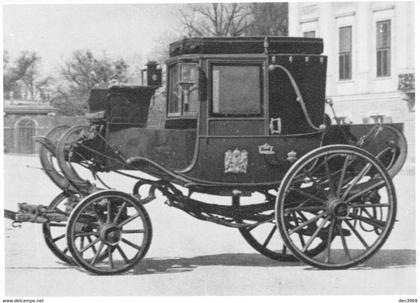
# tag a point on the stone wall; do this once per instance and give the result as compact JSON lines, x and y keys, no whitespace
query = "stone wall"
{"x":43,"y":123}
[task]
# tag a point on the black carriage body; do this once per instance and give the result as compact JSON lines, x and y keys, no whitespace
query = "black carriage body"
{"x":233,"y":115}
{"x":238,"y":146}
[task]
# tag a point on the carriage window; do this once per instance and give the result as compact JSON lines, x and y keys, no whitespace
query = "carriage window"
{"x":174,"y":107}
{"x":183,"y":89}
{"x":236,"y":89}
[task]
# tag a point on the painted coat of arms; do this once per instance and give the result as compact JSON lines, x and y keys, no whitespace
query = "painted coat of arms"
{"x":236,"y":161}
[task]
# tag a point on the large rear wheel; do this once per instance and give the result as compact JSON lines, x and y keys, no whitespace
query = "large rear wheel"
{"x":340,"y":195}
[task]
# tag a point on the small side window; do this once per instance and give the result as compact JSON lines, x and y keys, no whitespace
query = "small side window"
{"x":183,"y":89}
{"x":174,"y":93}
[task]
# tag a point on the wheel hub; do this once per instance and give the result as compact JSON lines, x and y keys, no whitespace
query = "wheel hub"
{"x":110,"y":234}
{"x":338,"y":208}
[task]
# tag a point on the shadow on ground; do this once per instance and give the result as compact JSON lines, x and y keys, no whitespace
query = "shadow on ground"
{"x":382,"y":259}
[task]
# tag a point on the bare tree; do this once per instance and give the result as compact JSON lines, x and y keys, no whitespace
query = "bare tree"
{"x":216,"y":19}
{"x":83,"y":72}
{"x":235,"y":19}
{"x":25,"y":70}
{"x":269,"y":19}
{"x":44,"y":88}
{"x":5,"y":60}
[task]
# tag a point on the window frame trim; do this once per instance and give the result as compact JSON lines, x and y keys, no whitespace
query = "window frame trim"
{"x":245,"y":62}
{"x":388,"y":48}
{"x":181,"y":113}
{"x":345,"y":53}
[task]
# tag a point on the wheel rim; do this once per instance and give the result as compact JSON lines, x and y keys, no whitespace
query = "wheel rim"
{"x":121,"y":228}
{"x":390,"y":148}
{"x":72,"y":162}
{"x":265,"y":239}
{"x":340,"y":195}
{"x":49,"y":161}
{"x":54,"y":232}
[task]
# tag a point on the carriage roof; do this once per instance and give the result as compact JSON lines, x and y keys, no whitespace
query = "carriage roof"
{"x":246,"y":45}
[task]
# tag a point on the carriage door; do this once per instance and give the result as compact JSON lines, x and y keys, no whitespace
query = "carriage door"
{"x":285,"y":113}
{"x":237,"y":100}
{"x":26,"y":130}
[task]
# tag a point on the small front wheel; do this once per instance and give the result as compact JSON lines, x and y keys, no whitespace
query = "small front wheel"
{"x":54,"y":232}
{"x":120,"y":229}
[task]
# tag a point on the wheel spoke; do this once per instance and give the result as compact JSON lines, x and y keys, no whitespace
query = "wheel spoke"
{"x":357,"y":179}
{"x":359,"y":205}
{"x":131,"y":243}
{"x":120,"y":210}
{"x":91,"y":233}
{"x":108,"y":211}
{"x":315,"y":198}
{"x":284,"y":250}
{"x":307,"y":208}
{"x":374,"y":186}
{"x":128,"y":220}
{"x":111,"y":261}
{"x":353,"y":229}
{"x":302,"y":242}
{"x":101,"y":246}
{"x":52,"y":224}
{"x":270,"y":235}
{"x":59,"y":238}
{"x":82,"y":243}
{"x":329,"y":241}
{"x":374,"y":222}
{"x":126,"y":260}
{"x":343,"y":240}
{"x":312,"y":238}
{"x":90,"y":241}
{"x":90,"y":245}
{"x":343,"y":174}
{"x":306,"y":223}
{"x":327,"y":171}
{"x":133,"y":231}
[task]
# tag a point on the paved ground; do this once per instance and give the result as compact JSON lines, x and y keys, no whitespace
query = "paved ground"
{"x":191,"y":257}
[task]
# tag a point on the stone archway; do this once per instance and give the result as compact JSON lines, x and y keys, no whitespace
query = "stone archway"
{"x":25,"y":130}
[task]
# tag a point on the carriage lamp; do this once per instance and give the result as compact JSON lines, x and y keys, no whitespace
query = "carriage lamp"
{"x":187,"y":81}
{"x":188,"y":73}
{"x":152,"y":75}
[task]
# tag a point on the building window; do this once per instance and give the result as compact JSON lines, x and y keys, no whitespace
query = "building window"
{"x":344,"y":52}
{"x":383,"y":48}
{"x":309,"y":34}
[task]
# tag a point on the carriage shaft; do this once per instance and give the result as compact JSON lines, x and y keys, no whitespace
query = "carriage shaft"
{"x":35,"y":214}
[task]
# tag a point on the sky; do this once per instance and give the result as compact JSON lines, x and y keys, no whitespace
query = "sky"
{"x":54,"y":31}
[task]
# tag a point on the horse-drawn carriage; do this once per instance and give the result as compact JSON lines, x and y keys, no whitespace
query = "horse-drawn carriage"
{"x":245,"y":117}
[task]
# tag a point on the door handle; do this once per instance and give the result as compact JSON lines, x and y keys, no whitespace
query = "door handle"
{"x":275,"y":126}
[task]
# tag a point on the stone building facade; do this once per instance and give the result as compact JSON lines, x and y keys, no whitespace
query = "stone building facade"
{"x":24,"y":120}
{"x":370,"y":49}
